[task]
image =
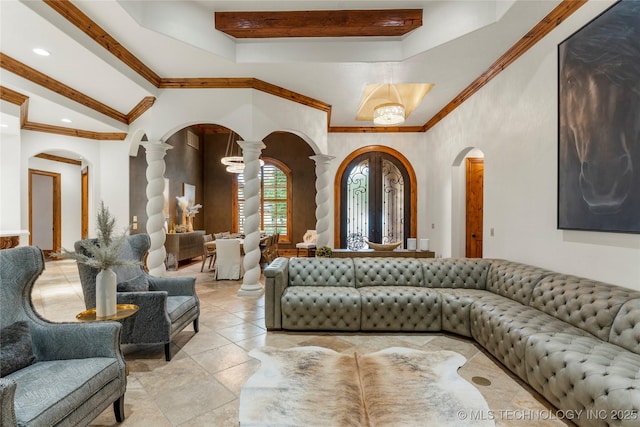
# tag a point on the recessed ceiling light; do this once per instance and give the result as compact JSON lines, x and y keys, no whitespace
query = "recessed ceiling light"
{"x":41,"y":52}
{"x":66,"y":120}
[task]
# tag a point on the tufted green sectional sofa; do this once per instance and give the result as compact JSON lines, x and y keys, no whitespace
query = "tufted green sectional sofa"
{"x":574,"y":340}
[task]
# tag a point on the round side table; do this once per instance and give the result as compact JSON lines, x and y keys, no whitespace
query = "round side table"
{"x":122,"y":312}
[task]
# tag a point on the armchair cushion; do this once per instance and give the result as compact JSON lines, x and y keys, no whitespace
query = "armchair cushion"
{"x":179,"y":305}
{"x":135,"y":284}
{"x":15,"y":351}
{"x":49,"y":391}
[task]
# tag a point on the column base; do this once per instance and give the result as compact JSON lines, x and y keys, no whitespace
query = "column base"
{"x":251,"y":290}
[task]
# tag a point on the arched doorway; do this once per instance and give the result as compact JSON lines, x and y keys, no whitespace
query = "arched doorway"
{"x":57,"y":183}
{"x":375,"y":197}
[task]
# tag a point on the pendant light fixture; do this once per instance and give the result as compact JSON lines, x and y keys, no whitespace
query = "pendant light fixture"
{"x":389,"y":113}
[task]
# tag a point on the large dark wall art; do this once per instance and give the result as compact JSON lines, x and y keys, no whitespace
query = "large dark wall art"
{"x":599,"y":123}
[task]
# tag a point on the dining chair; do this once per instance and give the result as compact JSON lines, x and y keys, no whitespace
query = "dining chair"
{"x":208,"y":252}
{"x":228,"y":259}
{"x":308,"y":242}
{"x":265,"y":247}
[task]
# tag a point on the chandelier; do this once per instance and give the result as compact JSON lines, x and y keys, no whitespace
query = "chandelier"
{"x":388,"y":114}
{"x":233,"y":160}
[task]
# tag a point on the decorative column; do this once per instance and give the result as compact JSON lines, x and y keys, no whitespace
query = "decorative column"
{"x":323,"y":193}
{"x":250,"y":155}
{"x":155,"y":152}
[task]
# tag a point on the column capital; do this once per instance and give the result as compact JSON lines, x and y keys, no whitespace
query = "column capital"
{"x":322,"y":158}
{"x":247,"y":145}
{"x":156,"y":146}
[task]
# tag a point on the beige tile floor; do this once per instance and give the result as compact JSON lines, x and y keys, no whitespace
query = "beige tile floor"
{"x":201,"y":385}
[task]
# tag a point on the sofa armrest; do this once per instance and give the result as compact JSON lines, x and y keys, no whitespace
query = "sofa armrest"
{"x":59,"y":341}
{"x":7,"y":409}
{"x":174,"y":286}
{"x":151,"y":324}
{"x":276,"y":281}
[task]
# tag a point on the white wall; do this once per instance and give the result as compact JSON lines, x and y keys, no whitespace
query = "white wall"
{"x":10,"y":183}
{"x":113,"y":184}
{"x":250,"y":113}
{"x":513,"y":120}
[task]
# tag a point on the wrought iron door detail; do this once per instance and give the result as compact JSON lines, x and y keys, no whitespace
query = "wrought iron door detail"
{"x":357,"y":220}
{"x":374,"y":197}
{"x":392,"y":203}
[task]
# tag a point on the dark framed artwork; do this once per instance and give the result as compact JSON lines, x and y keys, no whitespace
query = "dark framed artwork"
{"x":599,"y":123}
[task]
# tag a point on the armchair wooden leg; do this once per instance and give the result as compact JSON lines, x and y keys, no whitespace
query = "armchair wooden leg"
{"x":196,"y":327}
{"x":118,"y":409}
{"x":167,"y":351}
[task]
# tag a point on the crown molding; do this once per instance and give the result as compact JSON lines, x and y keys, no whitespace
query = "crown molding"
{"x":79,"y":133}
{"x":59,"y":159}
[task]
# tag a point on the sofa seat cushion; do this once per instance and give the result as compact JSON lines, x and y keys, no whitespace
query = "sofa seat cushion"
{"x":47,"y":392}
{"x":470,"y":273}
{"x":321,"y":308}
{"x":456,"y":308}
{"x":502,"y":326}
{"x":400,"y":308}
{"x":177,"y":306}
{"x":584,"y":303}
{"x":383,"y":271}
{"x":586,"y":374}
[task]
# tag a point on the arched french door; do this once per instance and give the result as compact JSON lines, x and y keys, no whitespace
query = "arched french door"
{"x":376,"y":200}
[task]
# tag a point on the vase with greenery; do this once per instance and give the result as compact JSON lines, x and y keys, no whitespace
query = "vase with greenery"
{"x":103,"y":254}
{"x":324,"y":252}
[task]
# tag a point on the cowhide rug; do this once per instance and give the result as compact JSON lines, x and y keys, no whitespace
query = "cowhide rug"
{"x":315,"y":386}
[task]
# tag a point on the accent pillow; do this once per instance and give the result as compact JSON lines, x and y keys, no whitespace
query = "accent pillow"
{"x":15,"y":352}
{"x":136,"y":284}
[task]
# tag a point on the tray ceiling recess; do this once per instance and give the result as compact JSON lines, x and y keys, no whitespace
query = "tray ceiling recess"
{"x":319,"y":23}
{"x":409,"y":95}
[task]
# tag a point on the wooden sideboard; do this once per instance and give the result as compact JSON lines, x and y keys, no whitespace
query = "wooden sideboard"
{"x":184,"y":245}
{"x":401,"y":253}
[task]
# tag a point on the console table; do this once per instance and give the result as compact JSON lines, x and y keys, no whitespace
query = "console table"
{"x":184,"y":245}
{"x":400,"y":253}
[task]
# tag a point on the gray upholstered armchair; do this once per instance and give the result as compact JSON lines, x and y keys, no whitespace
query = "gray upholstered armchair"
{"x":166,"y":304}
{"x":59,"y":374}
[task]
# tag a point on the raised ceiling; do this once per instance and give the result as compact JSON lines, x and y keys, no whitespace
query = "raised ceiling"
{"x":122,"y":54}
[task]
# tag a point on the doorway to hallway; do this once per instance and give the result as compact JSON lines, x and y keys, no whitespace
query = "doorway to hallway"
{"x":44,"y":210}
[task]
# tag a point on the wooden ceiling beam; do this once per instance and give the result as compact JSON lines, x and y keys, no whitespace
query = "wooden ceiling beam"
{"x":18,"y":99}
{"x":18,"y":68}
{"x":319,"y":23}
{"x":142,"y":106}
{"x":104,"y":39}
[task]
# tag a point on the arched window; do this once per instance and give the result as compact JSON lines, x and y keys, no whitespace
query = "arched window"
{"x":275,"y":199}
